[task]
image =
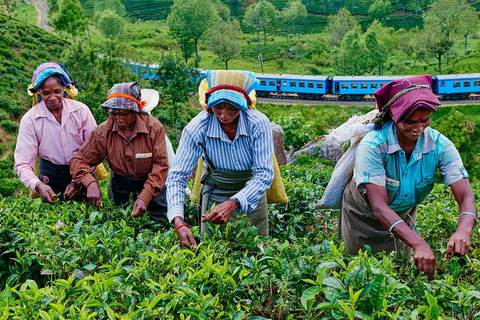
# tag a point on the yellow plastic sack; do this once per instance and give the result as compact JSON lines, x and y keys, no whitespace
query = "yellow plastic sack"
{"x":276,"y":193}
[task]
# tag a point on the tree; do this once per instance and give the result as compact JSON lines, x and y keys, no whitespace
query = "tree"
{"x":191,"y":19}
{"x":286,"y":15}
{"x":338,"y":25}
{"x":299,"y":13}
{"x":410,"y":44}
{"x":175,"y":84}
{"x":440,"y":24}
{"x":469,"y":21}
{"x":352,"y":56}
{"x":404,"y":4}
{"x":110,"y":23}
{"x":224,"y":40}
{"x":222,"y":10}
{"x":258,"y":16}
{"x":379,"y":42}
{"x":380,"y":10}
{"x":234,"y":5}
{"x":101,"y":6}
{"x":70,"y":17}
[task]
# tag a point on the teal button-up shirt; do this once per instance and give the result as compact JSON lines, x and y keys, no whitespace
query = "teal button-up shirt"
{"x":380,"y":160}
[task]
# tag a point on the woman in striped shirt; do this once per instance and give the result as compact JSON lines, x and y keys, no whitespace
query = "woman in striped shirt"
{"x":236,"y":144}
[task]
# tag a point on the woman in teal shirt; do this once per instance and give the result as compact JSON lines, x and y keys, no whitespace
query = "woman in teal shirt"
{"x":395,"y":171}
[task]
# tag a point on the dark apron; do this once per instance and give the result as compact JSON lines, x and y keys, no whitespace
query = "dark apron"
{"x":121,"y":188}
{"x":359,"y":226}
{"x":56,"y":176}
{"x":219,"y":185}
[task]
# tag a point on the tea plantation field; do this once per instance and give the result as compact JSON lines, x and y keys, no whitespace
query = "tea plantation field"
{"x":69,"y":261}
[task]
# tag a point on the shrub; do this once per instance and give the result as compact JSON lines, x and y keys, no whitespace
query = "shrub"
{"x":9,"y":126}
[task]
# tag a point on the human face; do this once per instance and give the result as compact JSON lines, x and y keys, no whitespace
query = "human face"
{"x":225,"y":112}
{"x":124,"y":118}
{"x":51,"y":92}
{"x":412,"y":128}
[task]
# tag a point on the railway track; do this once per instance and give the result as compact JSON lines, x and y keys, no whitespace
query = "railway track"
{"x":368,"y":101}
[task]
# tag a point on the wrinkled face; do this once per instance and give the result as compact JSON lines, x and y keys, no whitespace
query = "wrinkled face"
{"x":412,"y":128}
{"x":124,"y":118}
{"x":51,"y":92}
{"x":225,"y":112}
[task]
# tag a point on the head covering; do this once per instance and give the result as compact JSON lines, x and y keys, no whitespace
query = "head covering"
{"x":124,"y":96}
{"x":45,"y":71}
{"x":403,"y":96}
{"x":230,"y":86}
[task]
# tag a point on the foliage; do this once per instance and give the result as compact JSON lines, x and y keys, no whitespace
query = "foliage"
{"x":380,"y":10}
{"x":223,"y":40}
{"x":70,"y":17}
{"x":110,"y":24}
{"x":191,"y":19}
{"x":258,"y":16}
{"x":339,"y":25}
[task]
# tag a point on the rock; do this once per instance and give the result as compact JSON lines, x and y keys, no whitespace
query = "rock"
{"x":326,"y":148}
{"x":278,"y":143}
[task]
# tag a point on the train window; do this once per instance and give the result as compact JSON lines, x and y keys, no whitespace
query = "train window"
{"x":456,"y":84}
{"x":293,"y":84}
{"x":382,"y":84}
{"x":301,"y":84}
{"x":344,"y":85}
{"x":263,"y":83}
{"x":373,"y":85}
{"x":466,"y":84}
{"x":476,"y":83}
{"x":271,"y":83}
{"x":310,"y":85}
{"x":354,"y":85}
{"x":442,"y":84}
{"x":363,"y":85}
{"x":319,"y":85}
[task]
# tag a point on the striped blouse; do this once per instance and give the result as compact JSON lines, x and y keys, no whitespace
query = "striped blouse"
{"x":252,"y":149}
{"x":144,"y":155}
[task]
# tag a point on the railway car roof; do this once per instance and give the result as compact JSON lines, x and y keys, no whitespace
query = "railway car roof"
{"x":458,"y":76}
{"x":290,"y":77}
{"x":366,"y":78}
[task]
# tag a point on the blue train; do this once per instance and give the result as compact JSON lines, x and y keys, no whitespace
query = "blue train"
{"x":308,"y":87}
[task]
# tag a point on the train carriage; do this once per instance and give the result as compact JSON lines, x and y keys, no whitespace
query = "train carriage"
{"x":289,"y":85}
{"x":456,"y":86}
{"x":356,"y":87}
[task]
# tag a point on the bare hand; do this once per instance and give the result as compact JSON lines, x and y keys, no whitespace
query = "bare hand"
{"x":221,"y":213}
{"x":72,"y":190}
{"x":425,"y":260}
{"x":458,"y":245}
{"x":139,"y":207}
{"x":94,"y":195}
{"x":46,"y":193}
{"x":185,"y":235}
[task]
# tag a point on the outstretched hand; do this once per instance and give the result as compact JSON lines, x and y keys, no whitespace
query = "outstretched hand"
{"x":184,"y":234}
{"x":425,"y":260}
{"x":458,"y":245}
{"x":139,"y":207}
{"x":221,"y":213}
{"x":94,"y":195}
{"x":46,"y":193}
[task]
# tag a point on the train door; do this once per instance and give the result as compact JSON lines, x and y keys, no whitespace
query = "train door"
{"x":337,"y":87}
{"x":279,"y":85}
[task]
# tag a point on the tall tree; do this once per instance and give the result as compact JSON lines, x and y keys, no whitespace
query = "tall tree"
{"x":111,"y":24}
{"x":286,"y":15}
{"x":101,"y":6}
{"x":70,"y":17}
{"x":191,"y":19}
{"x":175,"y":84}
{"x":299,"y":14}
{"x":440,"y":25}
{"x":379,"y":42}
{"x":410,"y":44}
{"x":234,"y":5}
{"x":380,"y":10}
{"x":258,"y":16}
{"x":224,"y":40}
{"x":469,"y":21}
{"x":338,"y":25}
{"x":404,"y":4}
{"x":351,"y":58}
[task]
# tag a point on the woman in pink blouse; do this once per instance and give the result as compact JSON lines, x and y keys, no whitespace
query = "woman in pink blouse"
{"x":54,"y":129}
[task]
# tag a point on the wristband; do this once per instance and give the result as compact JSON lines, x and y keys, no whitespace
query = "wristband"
{"x":235,"y":202}
{"x":394,"y":224}
{"x":182,"y":225}
{"x":470,"y":214}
